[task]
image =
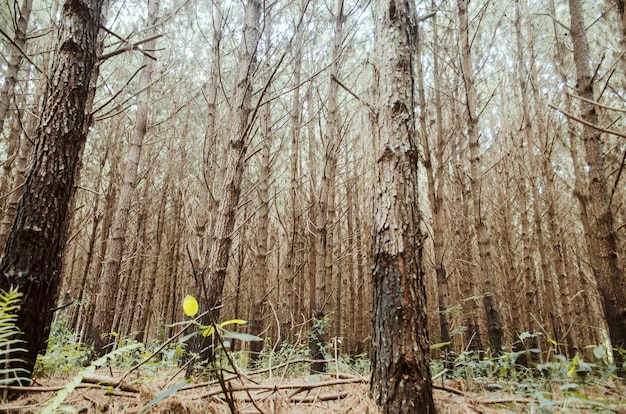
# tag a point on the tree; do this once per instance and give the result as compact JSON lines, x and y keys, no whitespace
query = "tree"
{"x":400,"y":373}
{"x":7,"y":92}
{"x":494,"y":324}
{"x":596,"y":202}
{"x":214,"y":270}
{"x":32,"y":257}
{"x":109,"y":283}
{"x":325,"y":204}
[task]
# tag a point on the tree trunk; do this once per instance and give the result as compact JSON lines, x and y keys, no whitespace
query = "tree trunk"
{"x":15,"y":60}
{"x":400,"y":372}
{"x":287,"y":292}
{"x":602,"y":243}
{"x":261,"y":270}
{"x":213,"y":273}
{"x":494,"y":325}
{"x":325,"y":210}
{"x":32,"y":257}
{"x":109,"y":283}
{"x":148,"y":302}
{"x":434,"y":175}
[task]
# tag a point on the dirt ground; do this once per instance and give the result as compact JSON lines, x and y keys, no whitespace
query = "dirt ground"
{"x":311,"y":394}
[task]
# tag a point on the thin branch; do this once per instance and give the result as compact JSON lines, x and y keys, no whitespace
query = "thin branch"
{"x":20,"y":50}
{"x":132,"y":46}
{"x":610,"y":108}
{"x":589,"y":124}
{"x":619,"y":174}
{"x":115,"y":95}
{"x":344,"y":87}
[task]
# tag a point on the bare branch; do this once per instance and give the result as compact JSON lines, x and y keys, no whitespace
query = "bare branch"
{"x":589,"y":124}
{"x":20,"y":50}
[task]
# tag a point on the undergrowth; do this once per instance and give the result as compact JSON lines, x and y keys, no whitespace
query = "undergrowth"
{"x":553,"y":382}
{"x":549,"y":381}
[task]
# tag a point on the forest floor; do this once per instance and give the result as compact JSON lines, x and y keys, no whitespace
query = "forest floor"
{"x":331,"y":393}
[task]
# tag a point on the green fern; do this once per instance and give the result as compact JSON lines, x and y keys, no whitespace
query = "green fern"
{"x":10,"y":344}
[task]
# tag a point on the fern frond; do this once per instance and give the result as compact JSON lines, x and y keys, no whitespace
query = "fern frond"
{"x":10,"y":344}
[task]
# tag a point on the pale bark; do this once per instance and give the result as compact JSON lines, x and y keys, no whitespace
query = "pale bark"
{"x":324,"y":253}
{"x":261,"y":277}
{"x":494,"y":324}
{"x":433,"y":164}
{"x":288,"y":298}
{"x":213,"y":273}
{"x":602,"y":241}
{"x":204,"y":209}
{"x":15,"y":60}
{"x":109,"y":283}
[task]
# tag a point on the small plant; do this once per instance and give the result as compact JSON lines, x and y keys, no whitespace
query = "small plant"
{"x":10,"y":343}
{"x":55,"y":404}
{"x":190,"y":307}
{"x":64,"y":354}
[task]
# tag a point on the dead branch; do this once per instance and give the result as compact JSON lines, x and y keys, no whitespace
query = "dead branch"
{"x":132,"y":46}
{"x":24,"y":54}
{"x":589,"y":124}
{"x":450,"y":390}
{"x":610,"y":108}
{"x":505,"y":400}
{"x":310,"y":399}
{"x":298,"y":388}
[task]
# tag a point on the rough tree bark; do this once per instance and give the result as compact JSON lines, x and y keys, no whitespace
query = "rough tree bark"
{"x":400,"y":373}
{"x":32,"y":257}
{"x":261,"y":268}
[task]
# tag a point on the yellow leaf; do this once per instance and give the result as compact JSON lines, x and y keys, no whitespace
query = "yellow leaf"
{"x":208,"y":331}
{"x":190,"y":306}
{"x":573,"y":368}
{"x":233,"y":322}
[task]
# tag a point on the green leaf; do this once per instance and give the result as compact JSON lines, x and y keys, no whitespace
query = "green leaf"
{"x":240,"y":336}
{"x":525,"y":335}
{"x":569,"y":387}
{"x":439,"y":345}
{"x":170,"y":391}
{"x":598,"y":352}
{"x":187,"y":337}
{"x":9,"y":339}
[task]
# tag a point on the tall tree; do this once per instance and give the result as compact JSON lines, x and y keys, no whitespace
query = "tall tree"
{"x":7,"y":92}
{"x":400,"y":373}
{"x":109,"y":283}
{"x":325,"y":203}
{"x":602,"y":242}
{"x":433,"y":164}
{"x":494,"y":324}
{"x":32,"y":257}
{"x":214,"y":270}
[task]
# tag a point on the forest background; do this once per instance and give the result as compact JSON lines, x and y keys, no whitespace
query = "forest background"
{"x":522,"y":195}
